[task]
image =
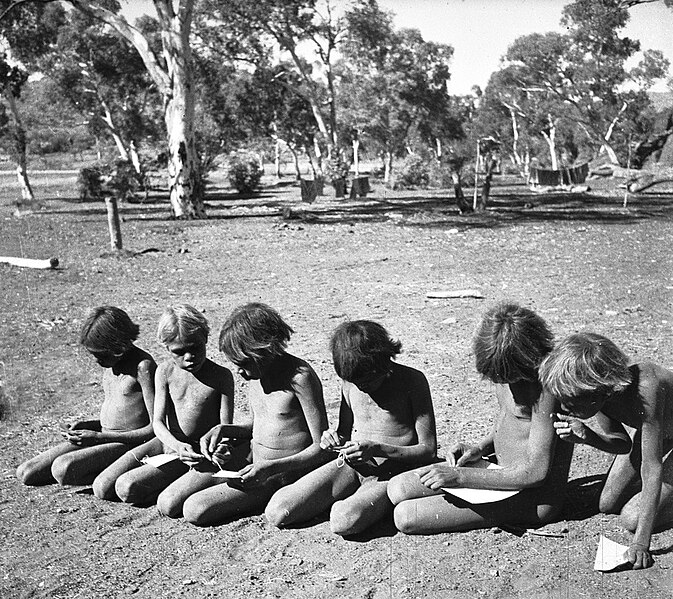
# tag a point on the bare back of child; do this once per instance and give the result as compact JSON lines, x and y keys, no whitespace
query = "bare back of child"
{"x":509,"y":346}
{"x":600,"y":394}
{"x":386,"y":426}
{"x":193,"y":394}
{"x":288,"y":413}
{"x":98,"y":450}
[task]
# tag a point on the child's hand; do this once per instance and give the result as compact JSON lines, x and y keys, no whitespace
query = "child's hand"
{"x":437,"y":476}
{"x":187,"y":455}
{"x":330,"y":438}
{"x":209,"y":442}
{"x":570,"y":429}
{"x":639,"y":555}
{"x":358,"y":451}
{"x":257,"y":473}
{"x":81,"y":437}
{"x":461,"y":454}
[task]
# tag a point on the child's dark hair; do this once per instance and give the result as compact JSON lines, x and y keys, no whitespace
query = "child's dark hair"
{"x":109,"y":329}
{"x":360,"y":347}
{"x":255,"y":332}
{"x":510,"y":344}
{"x":585,"y":365}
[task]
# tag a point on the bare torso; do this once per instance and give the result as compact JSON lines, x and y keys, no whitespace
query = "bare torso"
{"x":124,"y":407}
{"x":652,"y":385}
{"x":280,"y":428}
{"x":193,"y":400}
{"x":387,"y":414}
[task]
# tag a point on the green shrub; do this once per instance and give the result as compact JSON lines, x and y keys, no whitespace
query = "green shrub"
{"x":414,"y":172}
{"x":244,"y":172}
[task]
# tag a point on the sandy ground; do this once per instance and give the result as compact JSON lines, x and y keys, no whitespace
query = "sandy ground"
{"x":581,"y":262}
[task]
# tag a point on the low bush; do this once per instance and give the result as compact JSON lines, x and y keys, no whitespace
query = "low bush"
{"x":244,"y":172}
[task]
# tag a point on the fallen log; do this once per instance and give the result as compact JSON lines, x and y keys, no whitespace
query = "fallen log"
{"x":30,"y":262}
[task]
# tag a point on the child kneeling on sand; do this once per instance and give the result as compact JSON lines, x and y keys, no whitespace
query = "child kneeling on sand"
{"x":94,"y":449}
{"x":509,"y":346}
{"x":594,"y":382}
{"x":386,"y":426}
{"x":287,"y":415}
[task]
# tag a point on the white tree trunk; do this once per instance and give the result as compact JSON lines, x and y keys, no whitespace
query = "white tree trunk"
{"x":27,"y":196}
{"x":356,"y":156}
{"x":176,"y":84}
{"x":276,"y":158}
{"x":550,"y":138}
{"x":387,"y":166}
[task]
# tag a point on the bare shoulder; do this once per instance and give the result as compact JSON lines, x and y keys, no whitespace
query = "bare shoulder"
{"x":654,"y":382}
{"x":408,"y":373}
{"x":300,"y":372}
{"x":220,"y":376}
{"x":165,"y":369}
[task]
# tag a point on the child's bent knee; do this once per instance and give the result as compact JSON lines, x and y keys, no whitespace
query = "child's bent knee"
{"x":104,"y":488}
{"x":169,"y":505}
{"x":398,"y":487}
{"x":345,"y":519}
{"x":196,"y":512}
{"x":629,"y":520}
{"x":277,"y":514}
{"x":29,"y":476}
{"x":405,"y":518}
{"x":127,"y":489}
{"x":60,"y":470}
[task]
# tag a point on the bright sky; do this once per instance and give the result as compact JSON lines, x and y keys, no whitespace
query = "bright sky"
{"x":480,"y":31}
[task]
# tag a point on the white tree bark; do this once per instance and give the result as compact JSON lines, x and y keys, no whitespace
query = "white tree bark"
{"x":177,"y":87}
{"x":27,"y":196}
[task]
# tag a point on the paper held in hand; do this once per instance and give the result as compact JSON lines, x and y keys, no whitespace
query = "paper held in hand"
{"x":159,"y":460}
{"x":610,"y":555}
{"x":227,"y":474}
{"x":481,"y":495}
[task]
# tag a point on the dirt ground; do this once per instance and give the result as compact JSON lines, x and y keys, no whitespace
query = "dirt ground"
{"x":583,"y":262}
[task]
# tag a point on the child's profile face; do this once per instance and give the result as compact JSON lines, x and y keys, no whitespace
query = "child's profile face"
{"x":248,"y":369}
{"x":372,"y":381}
{"x":188,"y":354}
{"x":104,"y":357}
{"x":583,"y":406}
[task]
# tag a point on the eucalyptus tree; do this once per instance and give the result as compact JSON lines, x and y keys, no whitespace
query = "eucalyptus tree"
{"x":103,"y":77}
{"x":26,"y":34}
{"x":579,"y":80}
{"x":305,"y":33}
{"x":393,"y":83}
{"x":171,"y":69}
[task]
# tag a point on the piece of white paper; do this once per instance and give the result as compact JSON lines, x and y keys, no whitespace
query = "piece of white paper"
{"x":227,"y":474}
{"x":159,"y":460}
{"x":610,"y":555}
{"x":481,"y":495}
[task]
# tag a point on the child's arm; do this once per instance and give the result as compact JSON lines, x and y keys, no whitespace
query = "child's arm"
{"x":461,"y":454}
{"x":184,"y":450}
{"x":89,"y":432}
{"x":308,"y":390}
{"x":599,"y":431}
{"x":424,"y":450}
{"x":651,"y":471}
{"x":530,"y":472}
{"x":336,"y":438}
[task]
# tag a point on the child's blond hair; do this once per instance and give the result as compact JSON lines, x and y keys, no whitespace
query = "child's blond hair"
{"x":182,"y":322}
{"x":585,"y":364}
{"x":254,"y":332}
{"x":510,"y":344}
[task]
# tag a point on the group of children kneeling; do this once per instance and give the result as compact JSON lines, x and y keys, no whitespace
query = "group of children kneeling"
{"x":382,"y":456}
